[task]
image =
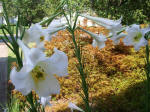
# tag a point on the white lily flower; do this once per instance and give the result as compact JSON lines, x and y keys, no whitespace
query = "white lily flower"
{"x":135,"y":36}
{"x":98,"y":40}
{"x":55,"y":26}
{"x":45,"y":101}
{"x":38,"y":35}
{"x":72,"y":106}
{"x":56,"y":23}
{"x":34,"y":34}
{"x":116,"y":38}
{"x":53,"y":30}
{"x":112,"y":25}
{"x":38,"y":71}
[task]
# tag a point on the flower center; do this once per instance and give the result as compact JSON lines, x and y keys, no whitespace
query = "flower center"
{"x":38,"y":74}
{"x":137,"y":37}
{"x":42,"y":38}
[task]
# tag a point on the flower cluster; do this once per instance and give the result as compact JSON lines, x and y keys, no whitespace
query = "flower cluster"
{"x":38,"y":70}
{"x":134,"y":35}
{"x":37,"y":34}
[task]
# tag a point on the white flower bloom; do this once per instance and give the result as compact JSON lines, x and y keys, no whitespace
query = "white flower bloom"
{"x":45,"y":101}
{"x":135,"y":36}
{"x":55,"y":26}
{"x":112,"y":25}
{"x":53,"y":30}
{"x":56,"y":23}
{"x":99,"y":40}
{"x":37,"y":34}
{"x":72,"y":106}
{"x":38,"y":71}
{"x":116,"y":38}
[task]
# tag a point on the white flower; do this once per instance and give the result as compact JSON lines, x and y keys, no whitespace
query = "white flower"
{"x":135,"y":36}
{"x":56,"y":23}
{"x":53,"y":28}
{"x":116,"y":38}
{"x":99,"y":40}
{"x":37,"y":34}
{"x":38,"y":71}
{"x":72,"y":106}
{"x":112,"y":25}
{"x":45,"y":101}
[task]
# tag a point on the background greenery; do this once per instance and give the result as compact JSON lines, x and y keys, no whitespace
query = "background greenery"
{"x":133,"y":11}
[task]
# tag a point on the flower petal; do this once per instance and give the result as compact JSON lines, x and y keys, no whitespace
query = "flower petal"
{"x":98,"y":43}
{"x":56,"y":64}
{"x":22,"y":80}
{"x":56,"y":30}
{"x":33,"y":34}
{"x":142,"y":42}
{"x":46,"y":87}
{"x":36,"y":34}
{"x":45,"y":101}
{"x":104,"y":21}
{"x":135,"y":36}
{"x":116,"y":38}
{"x":56,"y":24}
{"x":31,"y":56}
{"x":26,"y":52}
{"x":72,"y":106}
{"x":36,"y":55}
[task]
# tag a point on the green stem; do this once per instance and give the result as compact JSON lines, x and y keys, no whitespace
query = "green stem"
{"x":31,"y":101}
{"x":18,"y":56}
{"x":50,"y":19}
{"x":82,"y":73}
{"x":7,"y":44}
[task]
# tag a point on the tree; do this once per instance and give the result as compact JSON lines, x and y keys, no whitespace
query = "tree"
{"x":133,"y":11}
{"x":32,"y":11}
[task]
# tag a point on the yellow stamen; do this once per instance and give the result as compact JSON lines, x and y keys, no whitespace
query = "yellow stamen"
{"x":42,"y":38}
{"x":137,"y":37}
{"x":38,"y":74}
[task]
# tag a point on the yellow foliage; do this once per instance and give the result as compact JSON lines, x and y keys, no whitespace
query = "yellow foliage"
{"x":113,"y":73}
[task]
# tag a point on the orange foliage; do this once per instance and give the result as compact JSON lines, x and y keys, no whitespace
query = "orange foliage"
{"x":105,"y":68}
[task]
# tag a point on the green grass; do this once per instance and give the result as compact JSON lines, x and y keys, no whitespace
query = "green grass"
{"x":13,"y":105}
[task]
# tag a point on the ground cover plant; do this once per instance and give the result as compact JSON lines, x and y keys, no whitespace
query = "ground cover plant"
{"x":116,"y":81}
{"x":103,"y":69}
{"x":111,"y":66}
